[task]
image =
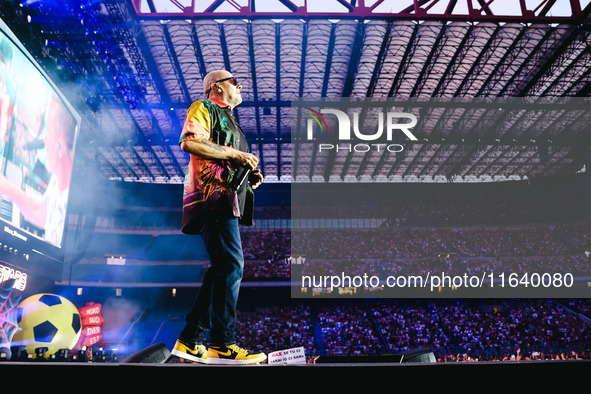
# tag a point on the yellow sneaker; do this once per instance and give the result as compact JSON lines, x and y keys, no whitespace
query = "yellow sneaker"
{"x":233,"y":355}
{"x":192,"y":352}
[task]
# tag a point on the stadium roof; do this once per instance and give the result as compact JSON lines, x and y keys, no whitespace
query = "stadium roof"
{"x":134,"y":67}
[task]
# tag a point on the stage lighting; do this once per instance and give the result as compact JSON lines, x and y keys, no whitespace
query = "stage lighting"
{"x":98,"y":355}
{"x":60,"y":355}
{"x":52,"y":44}
{"x":101,"y":50}
{"x":35,"y":19}
{"x":19,"y":353}
{"x":82,"y":355}
{"x":84,"y":18}
{"x":40,"y":352}
{"x":110,"y":356}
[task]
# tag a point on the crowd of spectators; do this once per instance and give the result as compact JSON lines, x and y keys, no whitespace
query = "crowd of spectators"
{"x":267,"y":270}
{"x":272,"y":328}
{"x":268,"y":244}
{"x":580,"y":306}
{"x":487,"y":330}
{"x":423,"y":242}
{"x":455,"y":330}
{"x":462,"y":205}
{"x":347,"y":330}
{"x":551,"y":248}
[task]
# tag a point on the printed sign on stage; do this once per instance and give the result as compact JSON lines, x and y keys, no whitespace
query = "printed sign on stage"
{"x":288,"y":356}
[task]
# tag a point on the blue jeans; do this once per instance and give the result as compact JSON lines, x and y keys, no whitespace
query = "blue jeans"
{"x":214,"y":308}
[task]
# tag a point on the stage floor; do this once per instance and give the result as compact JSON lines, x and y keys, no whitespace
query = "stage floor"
{"x":122,"y":377}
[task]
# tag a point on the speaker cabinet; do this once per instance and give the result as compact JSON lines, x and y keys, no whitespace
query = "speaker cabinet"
{"x":154,"y":354}
{"x":418,"y":356}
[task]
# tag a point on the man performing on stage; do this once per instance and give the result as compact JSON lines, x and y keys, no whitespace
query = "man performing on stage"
{"x":214,"y":204}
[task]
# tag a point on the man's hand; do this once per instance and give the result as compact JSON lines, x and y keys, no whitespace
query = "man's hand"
{"x":243,"y":159}
{"x":255,"y":178}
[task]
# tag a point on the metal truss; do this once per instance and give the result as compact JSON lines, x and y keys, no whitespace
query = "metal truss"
{"x":439,"y":10}
{"x":425,"y":49}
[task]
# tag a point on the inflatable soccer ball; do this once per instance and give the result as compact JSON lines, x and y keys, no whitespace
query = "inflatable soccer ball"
{"x":47,"y":320}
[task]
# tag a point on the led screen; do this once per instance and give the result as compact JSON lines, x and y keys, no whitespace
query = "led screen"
{"x":38,"y":129}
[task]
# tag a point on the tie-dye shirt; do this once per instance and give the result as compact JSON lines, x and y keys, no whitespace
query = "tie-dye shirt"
{"x":205,"y":189}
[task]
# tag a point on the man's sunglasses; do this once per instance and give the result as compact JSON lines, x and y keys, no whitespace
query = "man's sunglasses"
{"x":232,"y":80}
